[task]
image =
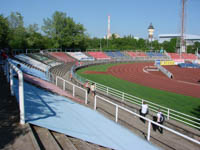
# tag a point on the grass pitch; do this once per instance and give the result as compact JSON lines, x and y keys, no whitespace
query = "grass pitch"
{"x":185,"y":104}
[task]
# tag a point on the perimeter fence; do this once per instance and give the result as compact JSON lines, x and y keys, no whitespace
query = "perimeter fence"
{"x":125,"y":97}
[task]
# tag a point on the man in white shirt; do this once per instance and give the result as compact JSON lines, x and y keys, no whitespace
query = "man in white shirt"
{"x":144,"y":111}
{"x":93,"y":90}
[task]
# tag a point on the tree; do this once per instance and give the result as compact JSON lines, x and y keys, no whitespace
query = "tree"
{"x":170,"y":46}
{"x":141,"y":44}
{"x":17,"y":35}
{"x":197,"y":46}
{"x":63,"y":31}
{"x":15,"y":20}
{"x":4,"y":30}
{"x":34,"y":39}
{"x":193,"y":48}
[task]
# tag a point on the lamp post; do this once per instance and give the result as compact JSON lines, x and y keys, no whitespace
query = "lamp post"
{"x":151,"y":31}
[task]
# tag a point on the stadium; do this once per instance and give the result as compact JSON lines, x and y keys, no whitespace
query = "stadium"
{"x":123,"y":81}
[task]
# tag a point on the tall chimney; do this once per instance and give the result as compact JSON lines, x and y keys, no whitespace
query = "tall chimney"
{"x":108,"y":34}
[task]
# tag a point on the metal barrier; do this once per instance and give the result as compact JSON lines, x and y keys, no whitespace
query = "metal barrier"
{"x":137,"y":115}
{"x":73,"y":88}
{"x":170,"y":113}
{"x":9,"y":67}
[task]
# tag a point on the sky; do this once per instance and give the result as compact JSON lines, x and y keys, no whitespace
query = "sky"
{"x":127,"y":16}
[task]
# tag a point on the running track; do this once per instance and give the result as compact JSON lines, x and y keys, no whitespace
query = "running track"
{"x":185,"y":81}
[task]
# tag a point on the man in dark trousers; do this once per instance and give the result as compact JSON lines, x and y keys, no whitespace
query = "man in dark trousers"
{"x":160,"y":120}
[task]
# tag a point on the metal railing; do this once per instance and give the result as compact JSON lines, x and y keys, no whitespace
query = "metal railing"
{"x":8,"y":69}
{"x":74,"y":87}
{"x":117,"y":107}
{"x":170,"y":113}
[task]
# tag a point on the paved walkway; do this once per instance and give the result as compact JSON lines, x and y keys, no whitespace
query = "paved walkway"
{"x":13,"y":136}
{"x":60,"y":114}
{"x":167,"y":140}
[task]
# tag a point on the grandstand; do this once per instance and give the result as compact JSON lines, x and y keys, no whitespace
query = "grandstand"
{"x":154,"y":54}
{"x":132,"y":54}
{"x":80,"y":56}
{"x":185,"y":56}
{"x":174,"y":56}
{"x":32,"y":62}
{"x":115,"y":54}
{"x":99,"y":55}
{"x":62,"y":70}
{"x":62,"y":56}
{"x":141,"y":54}
{"x":30,"y":70}
{"x":188,"y":56}
{"x":44,"y":59}
{"x":41,"y":58}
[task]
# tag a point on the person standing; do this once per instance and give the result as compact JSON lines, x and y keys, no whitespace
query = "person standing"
{"x":144,"y":111}
{"x":93,"y":89}
{"x":87,"y":86}
{"x":71,"y":76}
{"x":160,"y":120}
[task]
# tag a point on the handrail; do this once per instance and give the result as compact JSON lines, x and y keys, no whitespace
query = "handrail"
{"x":150,"y":121}
{"x":105,"y":89}
{"x":10,"y":68}
{"x":73,"y":89}
{"x":159,"y":106}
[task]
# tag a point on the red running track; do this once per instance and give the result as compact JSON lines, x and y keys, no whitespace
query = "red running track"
{"x":185,"y":81}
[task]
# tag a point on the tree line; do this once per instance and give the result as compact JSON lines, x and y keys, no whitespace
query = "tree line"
{"x":61,"y":31}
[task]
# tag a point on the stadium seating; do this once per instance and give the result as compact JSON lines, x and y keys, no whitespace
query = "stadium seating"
{"x":132,"y":54}
{"x":119,"y":54}
{"x":141,"y":54}
{"x":137,"y":54}
{"x":30,"y":70}
{"x":32,"y":62}
{"x":80,"y":56}
{"x":154,"y":54}
{"x":115,"y":54}
{"x":41,"y":58}
{"x":182,"y":56}
{"x":110,"y":54}
{"x":99,"y":55}
{"x":174,"y":56}
{"x":62,"y":56}
{"x":188,"y":56}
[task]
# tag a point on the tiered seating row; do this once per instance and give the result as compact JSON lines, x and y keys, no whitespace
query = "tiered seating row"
{"x":174,"y":56}
{"x":153,"y":54}
{"x":115,"y":54}
{"x":141,"y":54}
{"x":137,"y":54}
{"x":62,"y":56}
{"x":182,"y":56}
{"x":30,"y":70}
{"x":62,"y":69}
{"x":80,"y":56}
{"x":32,"y":62}
{"x":132,"y":54}
{"x":99,"y":55}
{"x":189,"y":56}
{"x":41,"y":58}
